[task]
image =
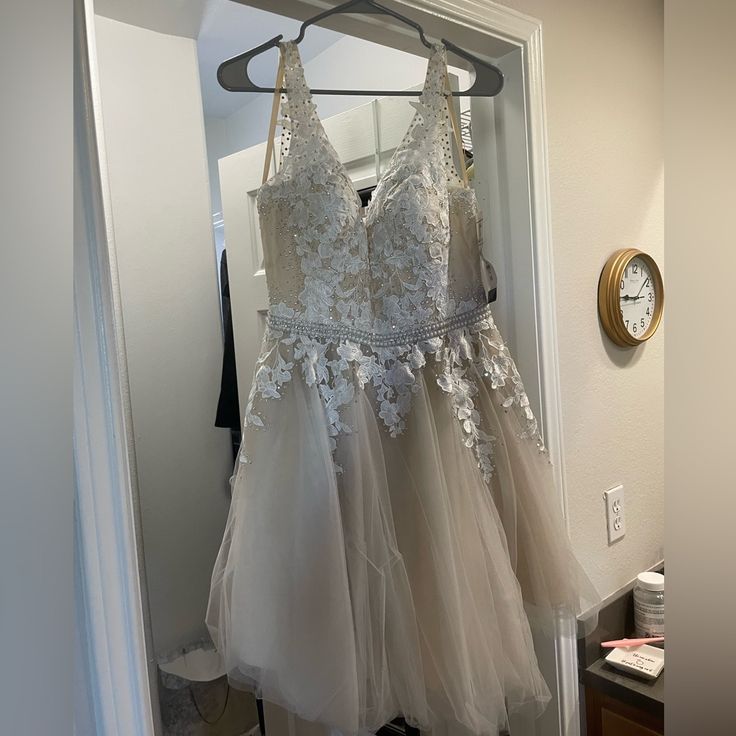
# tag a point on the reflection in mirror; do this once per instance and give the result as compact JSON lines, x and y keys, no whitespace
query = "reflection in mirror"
{"x":185,"y":163}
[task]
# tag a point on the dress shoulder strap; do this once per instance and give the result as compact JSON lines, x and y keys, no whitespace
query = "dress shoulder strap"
{"x":274,"y":116}
{"x":455,"y":129}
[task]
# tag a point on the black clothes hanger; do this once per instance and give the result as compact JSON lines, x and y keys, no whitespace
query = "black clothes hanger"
{"x":233,"y":73}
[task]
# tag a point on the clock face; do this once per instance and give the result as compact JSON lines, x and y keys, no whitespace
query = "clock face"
{"x":637,"y":297}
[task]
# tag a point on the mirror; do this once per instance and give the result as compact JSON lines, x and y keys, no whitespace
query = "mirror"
{"x":184,"y":161}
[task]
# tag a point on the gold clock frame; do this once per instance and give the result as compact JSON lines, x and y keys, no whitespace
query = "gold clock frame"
{"x":609,"y":305}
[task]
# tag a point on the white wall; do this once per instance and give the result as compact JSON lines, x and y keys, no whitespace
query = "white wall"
{"x":603,"y":72}
{"x":155,"y":148}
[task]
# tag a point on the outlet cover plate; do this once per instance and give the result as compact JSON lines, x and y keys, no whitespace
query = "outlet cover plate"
{"x":615,"y":519}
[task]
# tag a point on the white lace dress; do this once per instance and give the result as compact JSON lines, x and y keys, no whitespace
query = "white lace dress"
{"x":393,"y":507}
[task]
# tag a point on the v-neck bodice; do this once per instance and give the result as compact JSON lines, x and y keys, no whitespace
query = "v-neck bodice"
{"x":413,"y":260}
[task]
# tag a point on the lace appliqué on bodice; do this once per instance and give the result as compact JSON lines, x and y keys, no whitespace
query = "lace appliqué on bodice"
{"x":371,"y":305}
{"x":408,"y":222}
{"x":318,"y":217}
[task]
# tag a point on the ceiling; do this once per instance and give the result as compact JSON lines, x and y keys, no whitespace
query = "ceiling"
{"x":175,"y":17}
{"x":226,"y":28}
{"x":229,"y":28}
{"x":223,"y":29}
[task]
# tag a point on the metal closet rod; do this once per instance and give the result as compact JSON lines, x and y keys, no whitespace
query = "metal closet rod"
{"x":233,"y":73}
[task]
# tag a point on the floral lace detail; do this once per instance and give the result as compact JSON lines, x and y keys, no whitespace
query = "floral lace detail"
{"x":407,"y":229}
{"x":408,"y":222}
{"x":319,"y":211}
{"x":340,"y":367}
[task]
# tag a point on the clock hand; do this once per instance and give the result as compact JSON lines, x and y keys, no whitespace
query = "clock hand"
{"x":640,"y":288}
{"x":628,"y":298}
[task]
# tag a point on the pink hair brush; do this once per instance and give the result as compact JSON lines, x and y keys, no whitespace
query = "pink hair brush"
{"x":631,"y":642}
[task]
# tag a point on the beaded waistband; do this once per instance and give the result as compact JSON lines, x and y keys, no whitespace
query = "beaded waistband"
{"x":398,"y":336}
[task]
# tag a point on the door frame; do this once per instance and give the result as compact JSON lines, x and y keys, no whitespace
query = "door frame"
{"x":112,"y":604}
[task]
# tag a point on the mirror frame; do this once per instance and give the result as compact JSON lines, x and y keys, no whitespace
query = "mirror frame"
{"x":112,"y":605}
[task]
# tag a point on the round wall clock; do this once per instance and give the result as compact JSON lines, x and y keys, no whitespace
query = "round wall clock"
{"x":630,"y":297}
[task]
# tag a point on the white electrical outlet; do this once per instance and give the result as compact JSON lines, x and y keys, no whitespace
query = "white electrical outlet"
{"x":615,"y":513}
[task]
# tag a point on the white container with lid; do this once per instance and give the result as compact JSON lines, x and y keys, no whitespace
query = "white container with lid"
{"x":649,"y":604}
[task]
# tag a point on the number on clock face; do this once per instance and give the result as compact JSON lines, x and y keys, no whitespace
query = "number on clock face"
{"x":637,"y":297}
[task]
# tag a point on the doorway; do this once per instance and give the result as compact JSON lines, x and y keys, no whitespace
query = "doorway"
{"x":507,"y":136}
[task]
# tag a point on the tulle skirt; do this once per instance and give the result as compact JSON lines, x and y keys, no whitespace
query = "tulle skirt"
{"x":397,"y":584}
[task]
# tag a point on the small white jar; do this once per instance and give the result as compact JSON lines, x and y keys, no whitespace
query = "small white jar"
{"x":649,"y":604}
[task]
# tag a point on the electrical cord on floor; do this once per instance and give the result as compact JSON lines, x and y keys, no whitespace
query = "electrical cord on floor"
{"x":199,"y":712}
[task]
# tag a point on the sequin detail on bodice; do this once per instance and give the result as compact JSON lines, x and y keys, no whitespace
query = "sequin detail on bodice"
{"x":324,"y":263}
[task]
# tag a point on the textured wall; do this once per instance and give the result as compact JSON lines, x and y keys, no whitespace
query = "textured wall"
{"x":154,"y":137}
{"x":603,"y":72}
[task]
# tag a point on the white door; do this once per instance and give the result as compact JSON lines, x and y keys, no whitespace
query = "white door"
{"x":365,"y":138}
{"x":240,"y":179}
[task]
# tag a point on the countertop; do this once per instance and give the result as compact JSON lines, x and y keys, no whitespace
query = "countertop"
{"x":615,"y":621}
{"x":648,"y":695}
